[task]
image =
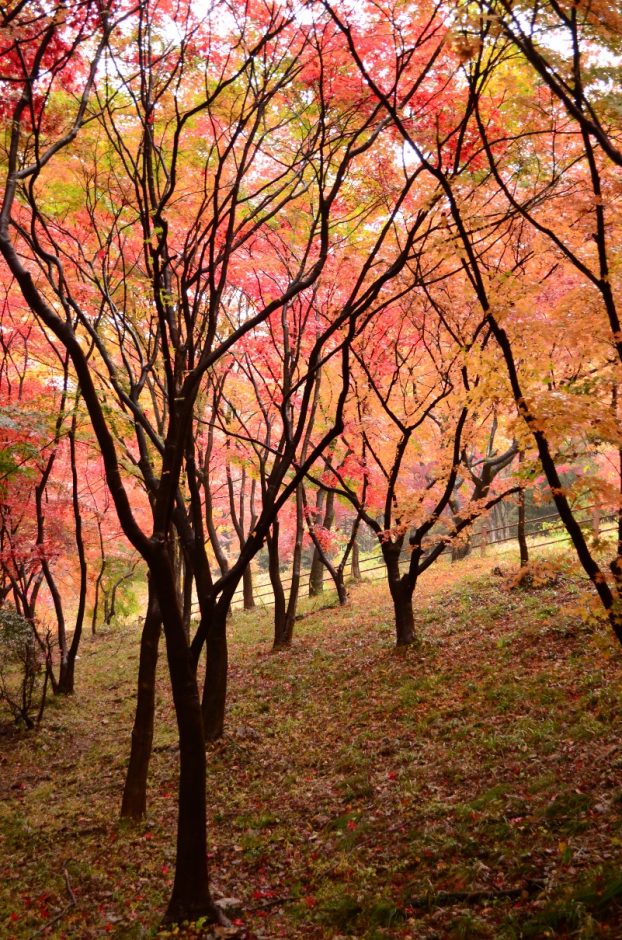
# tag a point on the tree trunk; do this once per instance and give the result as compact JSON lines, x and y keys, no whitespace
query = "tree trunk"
{"x":483,"y":536}
{"x":522,"y":538}
{"x":238,"y":517}
{"x":98,"y":583}
{"x":356,"y":562}
{"x":404,"y":617}
{"x":316,"y":576}
{"x":221,"y":558}
{"x":461,"y":550}
{"x":100,"y":577}
{"x":190,"y":898}
{"x":188,"y":585}
{"x":596,"y":522}
{"x":215,"y":684}
{"x":66,"y":679}
{"x":340,"y":584}
{"x":280,"y":610}
{"x":134,"y":803}
{"x":294,"y":588}
{"x":401,"y":595}
{"x":247,"y":587}
{"x":521,"y":533}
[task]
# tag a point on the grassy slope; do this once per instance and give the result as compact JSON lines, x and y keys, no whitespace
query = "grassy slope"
{"x":359,"y":792}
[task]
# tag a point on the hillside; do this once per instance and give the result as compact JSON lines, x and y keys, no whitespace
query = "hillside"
{"x":470,"y":787}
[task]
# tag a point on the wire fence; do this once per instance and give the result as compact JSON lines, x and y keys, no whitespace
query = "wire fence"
{"x":482,"y":540}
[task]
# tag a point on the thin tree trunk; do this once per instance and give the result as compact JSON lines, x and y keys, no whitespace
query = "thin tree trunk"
{"x":247,"y":588}
{"x":280,"y":611}
{"x":337,"y":572}
{"x":215,"y":684}
{"x":340,"y":584}
{"x":100,"y":577}
{"x":596,"y":522}
{"x":110,"y":601}
{"x":340,"y":572}
{"x":521,"y":533}
{"x":238,"y":518}
{"x":66,"y":679}
{"x":134,"y":803}
{"x":294,"y":589}
{"x":188,"y":584}
{"x":356,"y":562}
{"x":316,"y":576}
{"x":49,"y":579}
{"x":219,"y":554}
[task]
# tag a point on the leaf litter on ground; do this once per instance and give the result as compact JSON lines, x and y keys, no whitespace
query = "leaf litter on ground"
{"x":467,"y":787}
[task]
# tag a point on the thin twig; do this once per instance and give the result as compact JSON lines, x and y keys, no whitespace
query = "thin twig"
{"x":72,"y":896}
{"x":72,"y":903}
{"x":273,"y":902}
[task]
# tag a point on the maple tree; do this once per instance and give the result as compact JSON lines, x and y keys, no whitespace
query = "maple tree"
{"x":579,"y":407}
{"x":272,"y":248}
{"x":404,"y":480}
{"x":44,"y":518}
{"x":499,"y":231}
{"x":323,"y":540}
{"x":136,"y":269}
{"x":573,"y":49}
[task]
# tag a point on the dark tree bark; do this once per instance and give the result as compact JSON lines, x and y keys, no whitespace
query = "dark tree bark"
{"x":280,"y":605}
{"x":47,"y":575}
{"x":402,"y":590}
{"x":99,"y":579}
{"x":110,"y":596}
{"x":238,"y":517}
{"x":316,"y":573}
{"x":284,"y":625}
{"x":215,"y":684}
{"x":521,"y":530}
{"x":204,"y":479}
{"x":316,"y":576}
{"x":66,"y":679}
{"x":134,"y":803}
{"x":190,"y":898}
{"x":247,"y":588}
{"x":482,"y":473}
{"x":336,"y":571}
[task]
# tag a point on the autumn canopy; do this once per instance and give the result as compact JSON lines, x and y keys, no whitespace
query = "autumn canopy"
{"x":283,"y":283}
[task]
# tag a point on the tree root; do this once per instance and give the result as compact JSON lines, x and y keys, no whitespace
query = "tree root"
{"x":443,"y":898}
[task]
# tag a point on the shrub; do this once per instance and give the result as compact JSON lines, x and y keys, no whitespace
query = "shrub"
{"x":22,"y":669}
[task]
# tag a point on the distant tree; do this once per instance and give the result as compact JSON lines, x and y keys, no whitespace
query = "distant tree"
{"x":529,"y":186}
